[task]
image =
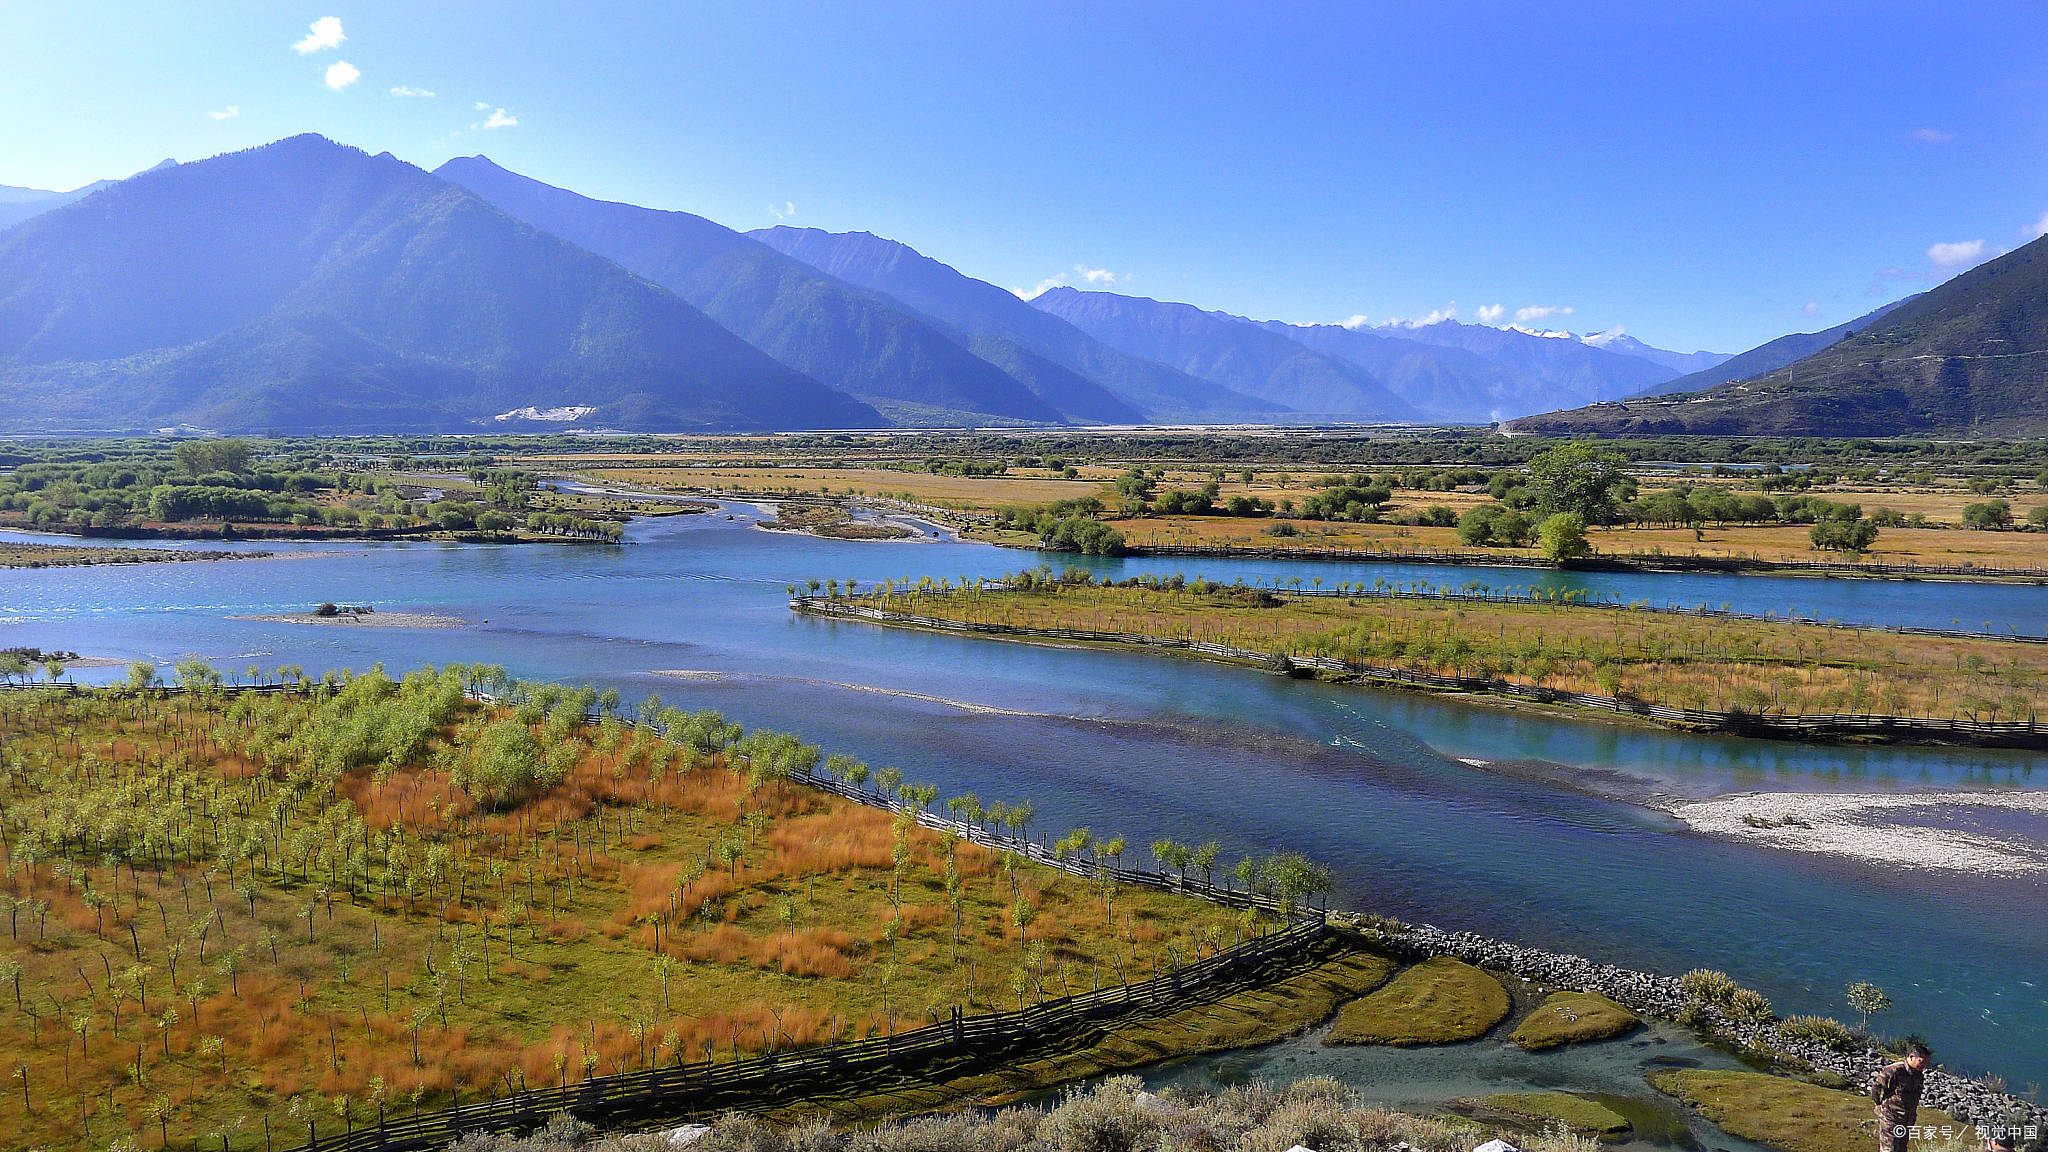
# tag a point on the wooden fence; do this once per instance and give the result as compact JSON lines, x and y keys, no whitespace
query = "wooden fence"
{"x":691,"y":1091}
{"x":1987,"y":733}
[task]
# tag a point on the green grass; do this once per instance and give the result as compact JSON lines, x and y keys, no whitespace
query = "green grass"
{"x":1573,"y":1018}
{"x":1439,"y":1001}
{"x":1782,"y":1113}
{"x":1272,"y":1011}
{"x":1778,"y":667}
{"x":1574,"y":1112}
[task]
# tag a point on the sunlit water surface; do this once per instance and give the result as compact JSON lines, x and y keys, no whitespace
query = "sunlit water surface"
{"x":1527,"y":845}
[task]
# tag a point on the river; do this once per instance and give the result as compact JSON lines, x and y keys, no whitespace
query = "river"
{"x":1526,"y":843}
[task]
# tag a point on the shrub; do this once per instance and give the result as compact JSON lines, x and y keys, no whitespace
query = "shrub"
{"x":1707,"y":986}
{"x":1564,"y":537}
{"x":1749,"y":1007}
{"x":1494,"y":525}
{"x":1844,"y":535}
{"x":1991,"y":514}
{"x":1829,"y":1034}
{"x":1282,"y":528}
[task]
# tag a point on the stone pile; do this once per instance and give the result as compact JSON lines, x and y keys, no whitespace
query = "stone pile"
{"x":1663,"y":996}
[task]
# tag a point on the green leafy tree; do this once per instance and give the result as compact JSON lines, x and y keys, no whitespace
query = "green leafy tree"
{"x":1868,"y":999}
{"x":1991,"y":515}
{"x":1563,"y":537}
{"x":1578,"y":478}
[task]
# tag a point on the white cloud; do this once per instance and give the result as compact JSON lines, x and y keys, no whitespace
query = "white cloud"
{"x":787,"y":210}
{"x":1602,"y":339}
{"x":1956,"y":256}
{"x":1436,"y":316}
{"x":326,"y":33}
{"x":341,"y":74}
{"x":1811,"y":308}
{"x":2040,"y":228}
{"x":405,"y":90}
{"x":482,"y":107}
{"x":1931,"y":135}
{"x":1488,"y":313}
{"x":227,"y":113}
{"x":1536,"y":312}
{"x":1356,"y":322}
{"x":1094,"y":277}
{"x":500,"y":119}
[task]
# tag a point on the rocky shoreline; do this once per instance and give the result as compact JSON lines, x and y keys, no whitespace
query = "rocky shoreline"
{"x":1664,"y":997}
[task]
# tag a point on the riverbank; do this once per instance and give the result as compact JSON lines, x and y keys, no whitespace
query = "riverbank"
{"x":1606,"y":562}
{"x":1843,"y":1062}
{"x":18,"y":555}
{"x":1771,"y":678}
{"x":1942,"y":831}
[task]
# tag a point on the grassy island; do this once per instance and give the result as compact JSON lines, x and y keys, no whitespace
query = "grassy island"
{"x":310,"y":905}
{"x":16,"y":555}
{"x":1791,"y":1114}
{"x":1439,"y":1001}
{"x":1573,"y":1018}
{"x":1761,"y":667}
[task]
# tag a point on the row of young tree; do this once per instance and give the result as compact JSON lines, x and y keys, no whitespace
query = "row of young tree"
{"x":196,"y":832}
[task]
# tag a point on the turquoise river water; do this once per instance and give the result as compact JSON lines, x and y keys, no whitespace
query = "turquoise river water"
{"x":1378,"y":784}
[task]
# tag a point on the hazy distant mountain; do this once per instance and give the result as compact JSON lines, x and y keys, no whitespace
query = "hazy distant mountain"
{"x":1627,"y":345}
{"x":1967,"y":358}
{"x":1230,"y":351}
{"x":1450,"y":384}
{"x":1768,"y":356}
{"x":1556,"y":370}
{"x":308,"y":287}
{"x":18,"y":204}
{"x":981,"y":310}
{"x":844,"y":336}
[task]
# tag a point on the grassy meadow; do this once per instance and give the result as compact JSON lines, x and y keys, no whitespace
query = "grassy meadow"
{"x":309,"y":906}
{"x":1780,"y":667}
{"x":1929,"y":507}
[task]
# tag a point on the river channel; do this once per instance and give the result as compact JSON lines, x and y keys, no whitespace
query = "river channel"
{"x":1461,"y":815}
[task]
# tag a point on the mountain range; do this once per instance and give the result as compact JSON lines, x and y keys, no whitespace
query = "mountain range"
{"x":983,"y":312}
{"x":305,"y":286}
{"x":1967,"y":358}
{"x":1771,"y":355}
{"x":18,"y":204}
{"x":308,"y":287}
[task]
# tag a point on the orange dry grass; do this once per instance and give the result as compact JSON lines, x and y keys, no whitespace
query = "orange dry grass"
{"x":965,"y":493}
{"x":592,"y":928}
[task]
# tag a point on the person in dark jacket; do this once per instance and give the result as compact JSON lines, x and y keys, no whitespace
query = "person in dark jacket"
{"x":1897,"y":1089}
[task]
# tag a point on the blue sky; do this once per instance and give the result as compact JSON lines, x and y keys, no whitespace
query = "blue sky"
{"x":1702,"y":174}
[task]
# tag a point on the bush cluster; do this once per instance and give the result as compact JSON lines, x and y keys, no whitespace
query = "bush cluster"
{"x":1116,"y":1116}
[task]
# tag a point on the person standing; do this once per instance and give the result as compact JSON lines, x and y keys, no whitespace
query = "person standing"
{"x":1897,"y":1090}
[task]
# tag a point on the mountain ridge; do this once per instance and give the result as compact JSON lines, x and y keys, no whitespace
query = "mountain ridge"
{"x":1967,"y":357}
{"x":839,"y":334}
{"x":1771,"y":354}
{"x":1228,"y":350}
{"x":980,"y":310}
{"x":307,"y":286}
